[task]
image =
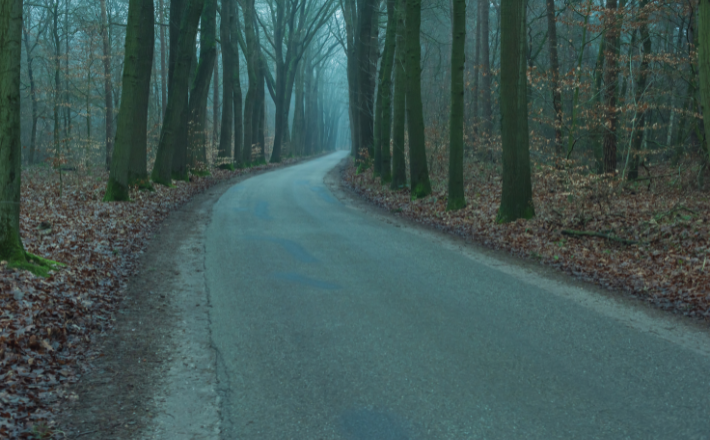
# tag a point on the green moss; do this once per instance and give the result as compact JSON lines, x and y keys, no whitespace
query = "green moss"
{"x":183,"y":175}
{"x":527,"y":213}
{"x":201,"y":173}
{"x":454,"y":204}
{"x":115,"y":192}
{"x":226,"y":166}
{"x":420,"y":191}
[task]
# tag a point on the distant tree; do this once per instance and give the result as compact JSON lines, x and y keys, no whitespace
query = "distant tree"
{"x":611,"y":72}
{"x":108,"y":83}
{"x":554,"y":74}
{"x":456,"y":197}
{"x":516,"y":199}
{"x":704,"y":63}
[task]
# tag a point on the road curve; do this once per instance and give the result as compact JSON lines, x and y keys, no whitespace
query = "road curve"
{"x":330,"y":323}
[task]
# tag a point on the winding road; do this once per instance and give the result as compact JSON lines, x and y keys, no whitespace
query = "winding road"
{"x":334,"y":322}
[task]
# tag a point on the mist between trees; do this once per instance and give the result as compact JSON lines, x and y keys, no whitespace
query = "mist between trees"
{"x":157,"y":90}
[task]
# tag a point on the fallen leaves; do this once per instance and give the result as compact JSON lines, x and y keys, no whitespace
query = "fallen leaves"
{"x":652,"y":241}
{"x":47,"y":326}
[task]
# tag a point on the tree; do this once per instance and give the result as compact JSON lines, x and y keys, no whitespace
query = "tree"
{"x":128,"y":164}
{"x":11,"y":248}
{"x":178,"y":82}
{"x":197,"y":107}
{"x":225,"y":139}
{"x":642,"y":113}
{"x":516,"y":199}
{"x":365,"y":81}
{"x":418,"y":172}
{"x":613,"y":30}
{"x":456,"y":197}
{"x":383,"y":106}
{"x":108,"y":84}
{"x":704,"y":62}
{"x":555,"y":74}
{"x":486,"y":108}
{"x":399,"y":172}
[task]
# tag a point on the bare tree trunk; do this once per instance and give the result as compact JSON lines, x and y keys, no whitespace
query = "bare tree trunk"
{"x":163,"y":67}
{"x":486,"y":109}
{"x":108,"y":86}
{"x":555,"y":74}
{"x":613,"y":29}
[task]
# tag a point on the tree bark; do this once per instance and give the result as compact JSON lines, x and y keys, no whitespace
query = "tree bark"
{"x":366,"y":11}
{"x":129,"y":156}
{"x":199,"y":93}
{"x":250,"y":102}
{"x":486,"y":108}
{"x":225,"y":138}
{"x":418,"y":172}
{"x":163,"y":67}
{"x":33,"y":88}
{"x":215,"y":103}
{"x":399,"y":170}
{"x":11,"y":249}
{"x":555,"y":74}
{"x":108,"y":86}
{"x":516,"y":198}
{"x":385,"y":96}
{"x":177,"y":91}
{"x":610,"y":81}
{"x":456,"y":197}
{"x":236,"y":87}
{"x":704,"y":64}
{"x":642,"y":114}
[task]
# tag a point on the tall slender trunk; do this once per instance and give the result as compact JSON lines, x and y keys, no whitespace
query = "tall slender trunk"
{"x":366,"y":12}
{"x":418,"y":172}
{"x":385,"y":94}
{"x":642,"y":114}
{"x":215,"y":103}
{"x":250,"y":102}
{"x":298,"y":116}
{"x":128,"y":164}
{"x":516,"y":198}
{"x":225,"y":138}
{"x":11,"y":249}
{"x":456,"y":197}
{"x":236,"y":87}
{"x":197,"y":108}
{"x":108,"y":86}
{"x":57,"y":85}
{"x":33,"y":89}
{"x":399,"y":168}
{"x":476,"y":69}
{"x":613,"y":28}
{"x":177,"y":89}
{"x":555,"y":74}
{"x":163,"y":67}
{"x":486,"y":91}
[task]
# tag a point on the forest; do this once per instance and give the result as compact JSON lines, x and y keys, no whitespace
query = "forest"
{"x":570,"y":132}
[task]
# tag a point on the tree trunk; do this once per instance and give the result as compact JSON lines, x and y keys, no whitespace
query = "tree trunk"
{"x":11,"y":249}
{"x":225,"y":139}
{"x":33,"y":90}
{"x":613,"y":28}
{"x":298,"y":116}
{"x":399,"y":170}
{"x":236,"y":88}
{"x":419,"y":174}
{"x":163,"y":67}
{"x":641,"y":115}
{"x":197,"y":135}
{"x":516,"y":198}
{"x":108,"y":86}
{"x":555,"y":74}
{"x":130,"y":147}
{"x":456,"y":196}
{"x":385,"y":94}
{"x":704,"y":63}
{"x":215,"y":103}
{"x":177,"y":91}
{"x":486,"y":109}
{"x":366,"y":11}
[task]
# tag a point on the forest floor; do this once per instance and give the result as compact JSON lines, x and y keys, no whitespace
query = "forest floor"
{"x":52,"y":330}
{"x":650,"y":238}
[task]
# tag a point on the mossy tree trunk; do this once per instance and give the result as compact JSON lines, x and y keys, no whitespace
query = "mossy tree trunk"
{"x":456,"y":197}
{"x":129,"y":156}
{"x":418,"y":171}
{"x":399,"y":170}
{"x":704,"y":62}
{"x":197,"y":108}
{"x":11,"y":249}
{"x":177,"y":90}
{"x":383,"y":123}
{"x":516,"y":199}
{"x":485,"y":61}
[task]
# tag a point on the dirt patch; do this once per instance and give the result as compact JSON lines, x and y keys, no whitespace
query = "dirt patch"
{"x":155,"y":376}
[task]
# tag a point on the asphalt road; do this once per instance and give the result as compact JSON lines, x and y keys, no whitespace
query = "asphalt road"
{"x":331,"y":323}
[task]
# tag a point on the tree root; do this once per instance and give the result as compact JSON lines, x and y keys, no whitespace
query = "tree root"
{"x":36,"y":264}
